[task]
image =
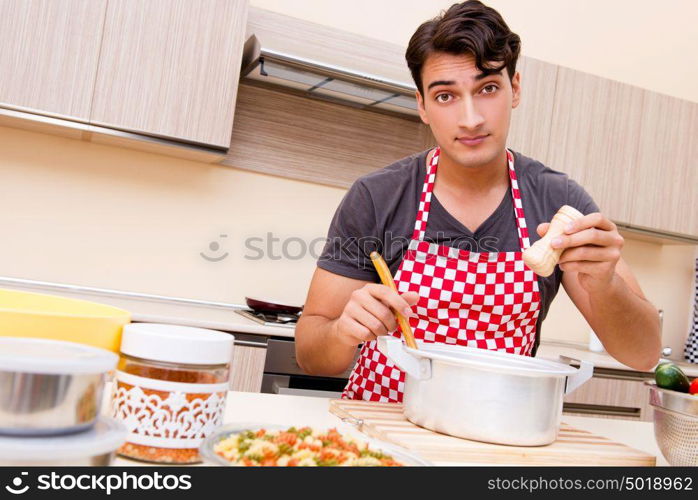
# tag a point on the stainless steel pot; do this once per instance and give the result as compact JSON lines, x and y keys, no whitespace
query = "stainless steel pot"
{"x":484,"y":395}
{"x":50,"y":387}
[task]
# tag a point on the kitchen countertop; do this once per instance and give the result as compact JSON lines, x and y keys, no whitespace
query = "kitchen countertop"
{"x":157,"y":311}
{"x":553,"y":349}
{"x":245,"y":407}
{"x":226,"y":319}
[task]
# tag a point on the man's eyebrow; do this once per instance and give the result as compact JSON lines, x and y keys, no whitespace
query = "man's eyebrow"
{"x":440,"y":82}
{"x":485,"y":74}
{"x":477,"y":78}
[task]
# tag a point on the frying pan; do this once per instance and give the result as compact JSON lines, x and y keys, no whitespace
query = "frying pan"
{"x":265,"y":306}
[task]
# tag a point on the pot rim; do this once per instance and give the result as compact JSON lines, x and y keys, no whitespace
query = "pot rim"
{"x":495,"y":361}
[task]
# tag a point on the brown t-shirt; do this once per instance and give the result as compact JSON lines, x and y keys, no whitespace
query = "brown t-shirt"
{"x":379,"y":210}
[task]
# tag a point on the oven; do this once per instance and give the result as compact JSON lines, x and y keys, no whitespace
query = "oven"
{"x":282,"y":375}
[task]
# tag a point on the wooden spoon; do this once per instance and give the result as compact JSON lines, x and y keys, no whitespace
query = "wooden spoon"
{"x":387,"y":280}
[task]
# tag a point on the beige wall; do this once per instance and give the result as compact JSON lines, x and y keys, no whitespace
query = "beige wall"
{"x":96,"y":215}
{"x":88,"y":214}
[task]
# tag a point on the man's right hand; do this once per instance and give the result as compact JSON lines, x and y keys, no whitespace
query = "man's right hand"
{"x":370,"y":313}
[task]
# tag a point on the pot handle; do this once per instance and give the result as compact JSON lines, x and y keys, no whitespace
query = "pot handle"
{"x":584,"y":373}
{"x":392,"y":347}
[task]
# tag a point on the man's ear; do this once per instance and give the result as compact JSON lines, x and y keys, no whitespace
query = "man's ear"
{"x":516,"y":89}
{"x":420,"y":108}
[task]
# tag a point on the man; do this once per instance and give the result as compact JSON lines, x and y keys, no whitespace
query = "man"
{"x":453,"y":241}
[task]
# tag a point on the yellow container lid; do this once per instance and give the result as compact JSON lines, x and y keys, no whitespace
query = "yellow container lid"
{"x":38,"y":315}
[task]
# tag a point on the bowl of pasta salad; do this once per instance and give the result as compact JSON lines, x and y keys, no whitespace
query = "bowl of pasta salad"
{"x":277,"y":446}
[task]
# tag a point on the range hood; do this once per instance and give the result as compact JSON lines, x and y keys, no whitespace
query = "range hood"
{"x":327,"y":82}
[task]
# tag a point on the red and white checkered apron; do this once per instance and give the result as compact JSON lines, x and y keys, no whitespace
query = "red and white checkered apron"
{"x":488,"y":300}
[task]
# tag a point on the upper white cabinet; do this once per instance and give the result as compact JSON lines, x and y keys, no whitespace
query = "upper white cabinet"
{"x":170,"y":68}
{"x":49,"y":53}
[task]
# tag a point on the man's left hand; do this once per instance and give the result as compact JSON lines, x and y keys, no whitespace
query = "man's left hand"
{"x":592,"y":247}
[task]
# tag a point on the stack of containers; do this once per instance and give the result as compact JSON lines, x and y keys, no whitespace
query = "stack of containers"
{"x":50,"y":400}
{"x":170,"y":389}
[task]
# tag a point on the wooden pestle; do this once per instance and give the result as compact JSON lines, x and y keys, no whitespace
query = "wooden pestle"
{"x":541,"y":257}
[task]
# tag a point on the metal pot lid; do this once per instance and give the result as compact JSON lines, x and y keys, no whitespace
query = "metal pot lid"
{"x":103,"y":437}
{"x":46,"y":356}
{"x":495,"y":361}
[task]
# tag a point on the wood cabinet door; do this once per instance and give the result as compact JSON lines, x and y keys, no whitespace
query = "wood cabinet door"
{"x":531,"y":119}
{"x":594,"y":138}
{"x":666,"y":174}
{"x":247,"y":368}
{"x":170,"y":68}
{"x":48,"y":55}
{"x":611,"y":395}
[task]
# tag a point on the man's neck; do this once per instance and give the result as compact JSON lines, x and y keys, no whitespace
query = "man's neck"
{"x":482,"y":179}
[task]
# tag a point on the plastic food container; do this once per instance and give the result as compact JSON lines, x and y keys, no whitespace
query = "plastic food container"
{"x":405,"y":457}
{"x":36,"y":315}
{"x":50,"y":387}
{"x":95,"y":446}
{"x":170,"y":389}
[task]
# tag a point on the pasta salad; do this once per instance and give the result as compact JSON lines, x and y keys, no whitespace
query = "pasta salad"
{"x":298,"y":447}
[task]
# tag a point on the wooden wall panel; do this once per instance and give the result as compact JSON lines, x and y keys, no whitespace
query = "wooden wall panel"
{"x":280,"y":133}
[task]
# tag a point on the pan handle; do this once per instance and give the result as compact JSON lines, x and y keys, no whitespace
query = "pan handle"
{"x":392,"y":347}
{"x":584,"y":373}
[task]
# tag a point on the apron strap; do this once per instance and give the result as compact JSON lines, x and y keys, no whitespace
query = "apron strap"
{"x":420,"y":223}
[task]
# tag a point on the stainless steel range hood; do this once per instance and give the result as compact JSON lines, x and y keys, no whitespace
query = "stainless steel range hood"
{"x":328,"y":82}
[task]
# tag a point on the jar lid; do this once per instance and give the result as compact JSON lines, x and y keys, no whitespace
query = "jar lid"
{"x":177,"y":344}
{"x":47,"y":356}
{"x":103,"y":437}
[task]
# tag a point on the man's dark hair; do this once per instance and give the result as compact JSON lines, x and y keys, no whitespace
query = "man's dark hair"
{"x":465,"y":28}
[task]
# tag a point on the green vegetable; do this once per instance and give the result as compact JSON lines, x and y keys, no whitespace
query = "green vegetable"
{"x":670,"y":376}
{"x":285,"y":449}
{"x":327,"y":463}
{"x":243,"y":446}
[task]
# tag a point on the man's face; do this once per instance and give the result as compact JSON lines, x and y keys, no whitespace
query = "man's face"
{"x":468,"y":113}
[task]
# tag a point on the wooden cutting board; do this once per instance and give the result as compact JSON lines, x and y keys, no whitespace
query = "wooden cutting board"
{"x":385,"y":421}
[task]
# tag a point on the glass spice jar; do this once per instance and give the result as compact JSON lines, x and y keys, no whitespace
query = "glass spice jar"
{"x":170,"y":389}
